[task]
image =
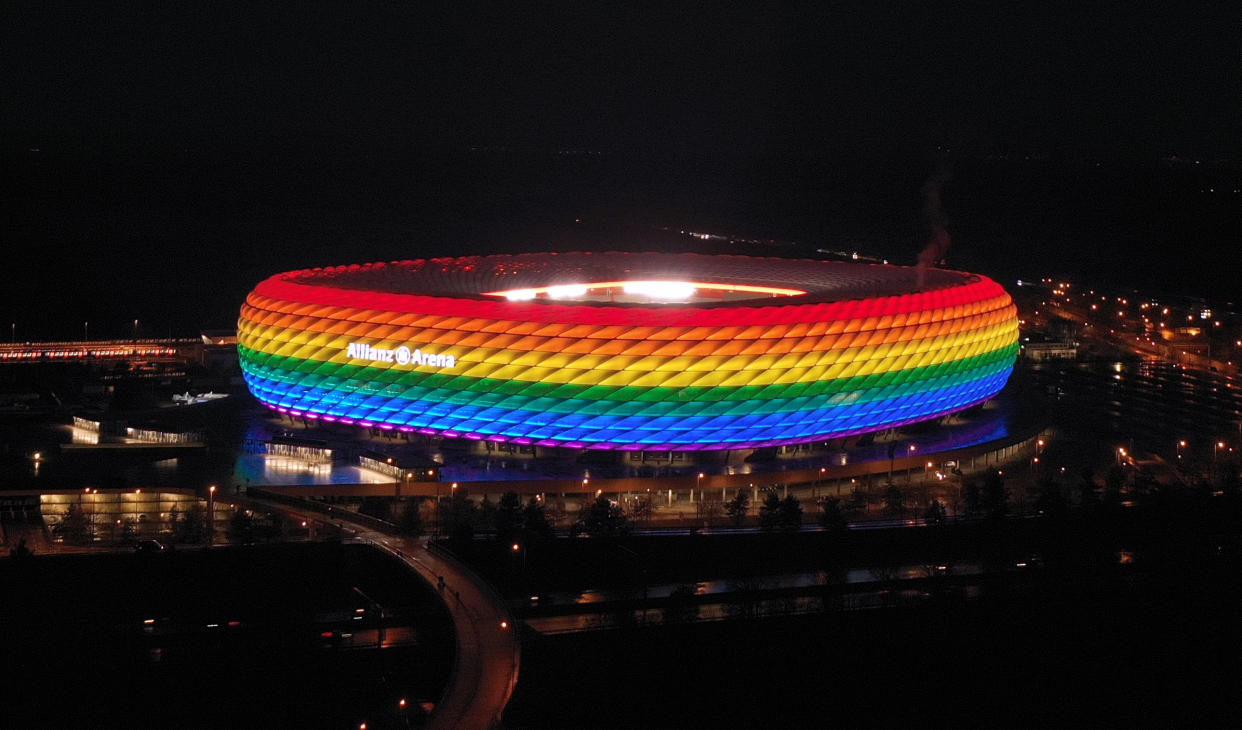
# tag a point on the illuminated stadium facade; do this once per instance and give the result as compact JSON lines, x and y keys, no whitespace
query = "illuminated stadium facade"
{"x":625,"y":350}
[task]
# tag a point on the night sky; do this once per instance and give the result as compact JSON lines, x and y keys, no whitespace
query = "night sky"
{"x":987,"y":75}
{"x":184,"y":151}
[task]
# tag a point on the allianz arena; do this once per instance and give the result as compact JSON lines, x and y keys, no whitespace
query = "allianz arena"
{"x":627,"y":350}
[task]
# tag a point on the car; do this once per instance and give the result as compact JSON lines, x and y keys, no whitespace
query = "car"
{"x":149,"y":546}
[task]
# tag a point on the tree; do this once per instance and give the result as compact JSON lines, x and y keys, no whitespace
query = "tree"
{"x":643,"y":508}
{"x":791,"y":513}
{"x":535,"y":521}
{"x":708,"y":508}
{"x":411,"y":520}
{"x":972,"y":496}
{"x":769,"y":511}
{"x":605,"y":519}
{"x":737,"y":507}
{"x":192,"y":527}
{"x":936,"y":513}
{"x":894,"y":501}
{"x":995,"y":497}
{"x":462,"y":513}
{"x":485,"y":519}
{"x":1051,"y":502}
{"x":831,"y":516}
{"x":509,"y":517}
{"x":780,"y":514}
{"x":74,"y":528}
{"x":20,"y":550}
{"x":241,"y":527}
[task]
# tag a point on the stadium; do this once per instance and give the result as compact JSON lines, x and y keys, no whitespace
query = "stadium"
{"x":633,"y":351}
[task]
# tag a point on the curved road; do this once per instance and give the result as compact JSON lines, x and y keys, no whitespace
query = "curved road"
{"x":488,"y":650}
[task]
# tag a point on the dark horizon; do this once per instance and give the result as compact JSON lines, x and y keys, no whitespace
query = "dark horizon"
{"x":176,"y":242}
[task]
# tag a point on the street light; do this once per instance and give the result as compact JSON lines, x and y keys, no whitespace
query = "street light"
{"x":211,"y":515}
{"x":1180,"y":445}
{"x":517,"y":548}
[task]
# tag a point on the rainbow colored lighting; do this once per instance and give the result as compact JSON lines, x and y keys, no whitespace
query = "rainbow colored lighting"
{"x":433,"y":347}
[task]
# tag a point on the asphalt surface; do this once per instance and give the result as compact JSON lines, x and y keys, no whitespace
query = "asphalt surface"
{"x":488,"y":655}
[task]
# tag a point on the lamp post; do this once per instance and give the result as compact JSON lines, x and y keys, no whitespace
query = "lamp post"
{"x":1181,"y":444}
{"x":517,"y":548}
{"x":211,"y":515}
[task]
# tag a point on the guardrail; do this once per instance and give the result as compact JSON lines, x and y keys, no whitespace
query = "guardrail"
{"x":327,"y":510}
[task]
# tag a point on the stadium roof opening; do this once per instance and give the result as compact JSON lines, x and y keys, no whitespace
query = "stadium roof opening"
{"x":650,"y":291}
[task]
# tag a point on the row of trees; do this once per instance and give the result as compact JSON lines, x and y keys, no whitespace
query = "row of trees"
{"x":190,"y":527}
{"x":79,"y":527}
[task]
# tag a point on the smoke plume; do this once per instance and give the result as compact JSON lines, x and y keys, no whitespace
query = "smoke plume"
{"x":938,"y":245}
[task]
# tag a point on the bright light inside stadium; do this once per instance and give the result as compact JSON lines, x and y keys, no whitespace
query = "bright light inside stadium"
{"x":671,"y":290}
{"x":566,"y":291}
{"x":668,"y":291}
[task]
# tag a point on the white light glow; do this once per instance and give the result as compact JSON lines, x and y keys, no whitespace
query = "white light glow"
{"x":661,"y":289}
{"x":520,"y":295}
{"x":567,"y":291}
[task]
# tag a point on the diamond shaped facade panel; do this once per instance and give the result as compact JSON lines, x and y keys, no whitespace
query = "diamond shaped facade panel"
{"x":570,"y":350}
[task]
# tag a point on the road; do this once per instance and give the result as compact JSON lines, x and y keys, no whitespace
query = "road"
{"x":488,"y":649}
